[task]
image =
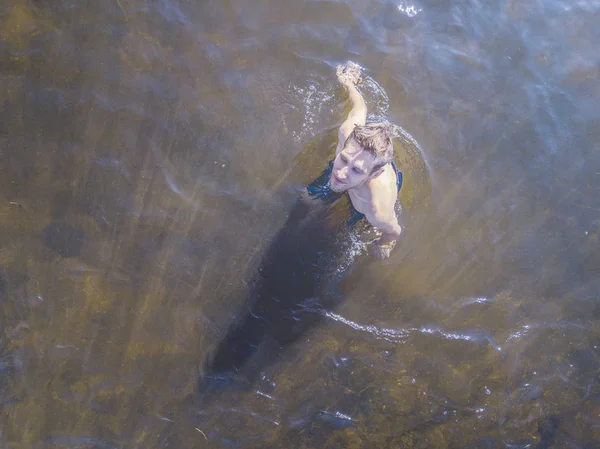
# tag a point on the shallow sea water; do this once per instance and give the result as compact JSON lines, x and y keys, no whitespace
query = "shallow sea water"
{"x":151,"y":150}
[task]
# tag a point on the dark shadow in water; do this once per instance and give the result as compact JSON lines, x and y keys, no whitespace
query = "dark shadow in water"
{"x":294,"y":283}
{"x":63,"y":239}
{"x":297,"y":278}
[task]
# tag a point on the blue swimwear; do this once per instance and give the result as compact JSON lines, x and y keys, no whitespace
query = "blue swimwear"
{"x":320,"y":189}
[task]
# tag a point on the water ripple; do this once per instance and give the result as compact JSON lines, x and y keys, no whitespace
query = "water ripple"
{"x":391,"y":335}
{"x":401,"y":335}
{"x":527,"y":328}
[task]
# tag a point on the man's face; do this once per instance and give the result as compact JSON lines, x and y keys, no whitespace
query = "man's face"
{"x":351,"y":167}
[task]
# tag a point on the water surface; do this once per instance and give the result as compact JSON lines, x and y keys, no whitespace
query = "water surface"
{"x":150,"y":152}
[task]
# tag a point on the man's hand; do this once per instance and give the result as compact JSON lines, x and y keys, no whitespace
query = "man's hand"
{"x":382,"y":252}
{"x":349,"y":74}
{"x":382,"y":247}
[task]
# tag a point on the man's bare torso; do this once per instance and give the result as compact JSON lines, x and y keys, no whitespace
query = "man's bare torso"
{"x":379,"y":198}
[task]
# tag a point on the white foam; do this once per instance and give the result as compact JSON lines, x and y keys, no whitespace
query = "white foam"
{"x":312,"y":100}
{"x":409,"y":10}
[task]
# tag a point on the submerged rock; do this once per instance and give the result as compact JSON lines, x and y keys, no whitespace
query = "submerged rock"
{"x":63,"y":239}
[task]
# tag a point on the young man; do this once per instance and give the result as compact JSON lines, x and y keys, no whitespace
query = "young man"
{"x":364,"y":166}
{"x":295,"y":281}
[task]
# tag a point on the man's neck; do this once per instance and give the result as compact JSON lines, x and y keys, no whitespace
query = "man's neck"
{"x":362,"y":191}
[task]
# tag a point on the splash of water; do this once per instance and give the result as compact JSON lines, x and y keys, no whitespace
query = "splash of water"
{"x":409,"y":10}
{"x":312,"y":100}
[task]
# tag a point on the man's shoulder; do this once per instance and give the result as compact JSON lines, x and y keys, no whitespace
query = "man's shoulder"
{"x":385,"y":186}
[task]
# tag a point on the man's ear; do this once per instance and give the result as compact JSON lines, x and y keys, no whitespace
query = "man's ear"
{"x":377,"y":172}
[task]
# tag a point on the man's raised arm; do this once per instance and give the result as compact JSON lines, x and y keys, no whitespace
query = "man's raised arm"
{"x":349,"y":76}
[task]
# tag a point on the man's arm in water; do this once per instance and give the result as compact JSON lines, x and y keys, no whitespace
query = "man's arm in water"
{"x":388,"y":225}
{"x":383,"y":246}
{"x":348,"y":77}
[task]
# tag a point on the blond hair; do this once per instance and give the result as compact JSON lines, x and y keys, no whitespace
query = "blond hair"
{"x":376,"y":138}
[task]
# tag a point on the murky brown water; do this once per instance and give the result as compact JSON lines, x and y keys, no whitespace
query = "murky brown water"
{"x":150,"y":152}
